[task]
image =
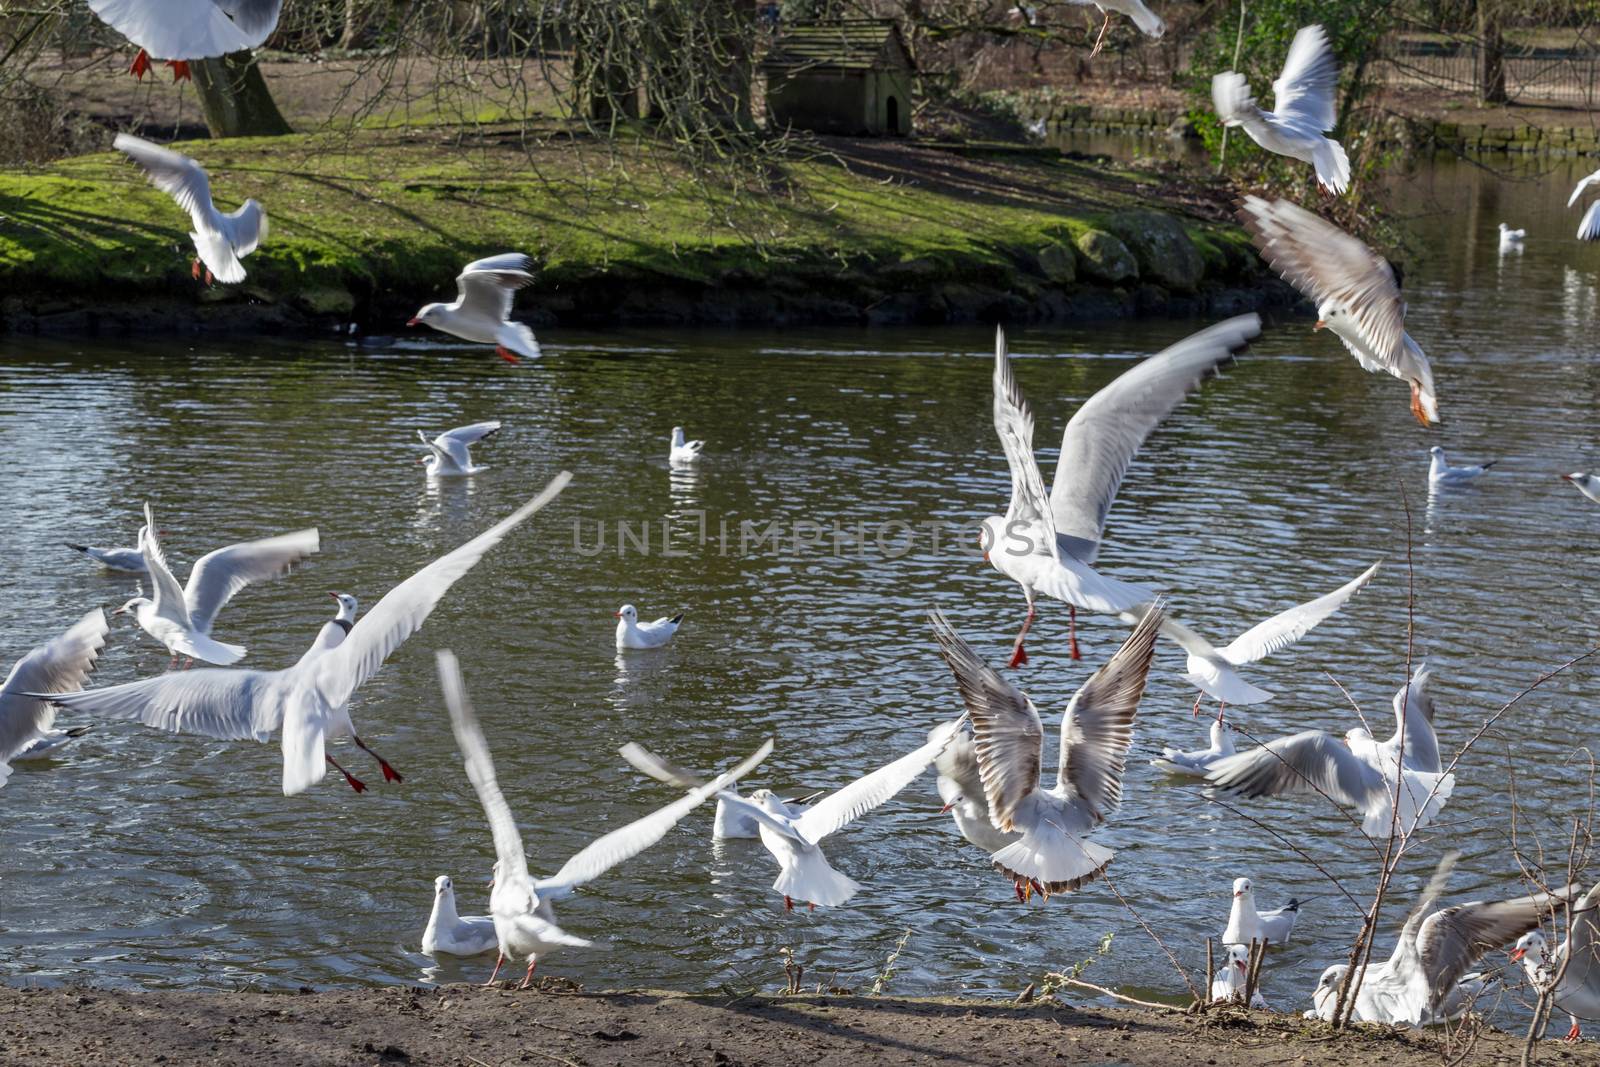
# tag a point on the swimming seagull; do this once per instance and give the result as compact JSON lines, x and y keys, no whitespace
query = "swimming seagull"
{"x":1589,"y":225}
{"x":1196,"y":762}
{"x":1511,"y":240}
{"x":482,"y":311}
{"x":123,"y":560}
{"x":220,"y":240}
{"x":1440,"y":473}
{"x":683,"y":453}
{"x":1051,"y":546}
{"x":1229,"y":982}
{"x":524,"y":922}
{"x":1587,"y":484}
{"x":631,"y":633}
{"x":1354,"y":290}
{"x":180,"y":30}
{"x":449,"y":453}
{"x":1214,"y":671}
{"x":960,"y":786}
{"x":1304,"y":99}
{"x":453,"y":934}
{"x":1148,"y":21}
{"x":1246,"y":924}
{"x":310,"y":700}
{"x":60,"y":665}
{"x":181,"y":617}
{"x":1577,"y":988}
{"x":1425,"y":981}
{"x":1053,"y":854}
{"x":1355,"y":770}
{"x":796,"y":843}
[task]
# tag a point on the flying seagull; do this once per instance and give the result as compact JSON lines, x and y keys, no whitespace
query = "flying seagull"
{"x":1589,"y":225}
{"x":60,"y":665}
{"x":221,"y":240}
{"x":482,"y":311}
{"x":1576,"y":981}
{"x":181,"y":30}
{"x":1303,"y":97}
{"x":449,"y":453}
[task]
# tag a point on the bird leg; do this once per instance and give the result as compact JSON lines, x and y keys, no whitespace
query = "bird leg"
{"x":355,"y":783}
{"x":811,"y":906}
{"x":1072,"y":631}
{"x":1019,"y":654}
{"x":788,"y":905}
{"x":172,"y":663}
{"x":1022,"y":897}
{"x":506,"y":354}
{"x":1221,"y":704}
{"x":194,"y":272}
{"x":180,"y":70}
{"x":1197,"y":698}
{"x":389,"y":773}
{"x":1573,"y":1035}
{"x":1100,"y":41}
{"x":188,"y":661}
{"x":1416,"y":405}
{"x":498,"y":961}
{"x":527,"y":979}
{"x":1044,"y":893}
{"x":141,"y":65}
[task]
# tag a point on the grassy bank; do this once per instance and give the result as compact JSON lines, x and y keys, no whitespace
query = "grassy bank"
{"x":366,"y":225}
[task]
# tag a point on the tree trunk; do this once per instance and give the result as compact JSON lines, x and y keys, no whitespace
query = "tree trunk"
{"x":1491,"y":54}
{"x":235,"y":98}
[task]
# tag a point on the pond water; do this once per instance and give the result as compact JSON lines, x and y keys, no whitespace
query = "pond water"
{"x":149,"y":859}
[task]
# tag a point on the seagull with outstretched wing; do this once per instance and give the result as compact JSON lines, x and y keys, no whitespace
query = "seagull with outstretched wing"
{"x":60,"y":665}
{"x":481,"y":313}
{"x":1303,"y":99}
{"x":221,"y":240}
{"x":450,"y":455}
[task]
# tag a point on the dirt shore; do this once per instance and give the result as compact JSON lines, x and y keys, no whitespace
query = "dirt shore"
{"x":460,"y":1025}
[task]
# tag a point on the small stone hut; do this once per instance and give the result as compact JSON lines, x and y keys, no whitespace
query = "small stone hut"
{"x":847,"y":76}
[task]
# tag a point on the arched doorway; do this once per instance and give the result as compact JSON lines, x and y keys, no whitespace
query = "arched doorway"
{"x":894,"y":115}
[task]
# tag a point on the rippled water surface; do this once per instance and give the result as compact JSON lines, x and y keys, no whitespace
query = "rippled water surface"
{"x":156,"y":860}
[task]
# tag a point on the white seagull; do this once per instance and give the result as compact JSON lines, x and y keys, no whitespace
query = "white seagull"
{"x":1354,"y":290}
{"x":1246,"y":924}
{"x":683,"y":453}
{"x":1577,"y":988}
{"x":1197,"y":762}
{"x":1587,"y":484}
{"x":180,"y":617}
{"x":453,"y":934}
{"x":450,"y":454}
{"x":60,"y":665}
{"x":122,"y":560}
{"x":310,"y":700}
{"x":1214,"y":671}
{"x":735,"y":824}
{"x":1304,"y":99}
{"x":631,"y":633}
{"x":335,"y":630}
{"x":1054,"y":854}
{"x":796,"y":843}
{"x":1231,"y":978}
{"x":960,"y":786}
{"x":220,"y":240}
{"x":1148,"y":21}
{"x":1355,"y":770}
{"x":524,"y":922}
{"x":1050,"y":545}
{"x":180,"y":30}
{"x":1440,"y":473}
{"x":482,"y":311}
{"x":1511,"y":240}
{"x":1589,"y":225}
{"x":1425,"y":981}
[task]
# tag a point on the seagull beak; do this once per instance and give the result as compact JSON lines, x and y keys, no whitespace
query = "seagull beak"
{"x":616,"y":614}
{"x":986,"y":557}
{"x":1236,"y":896}
{"x":334,"y":595}
{"x":946,"y":808}
{"x":119,"y":611}
{"x":1516,"y":954}
{"x":1566,"y":477}
{"x":1320,"y":325}
{"x":1240,"y":964}
{"x":412,"y":322}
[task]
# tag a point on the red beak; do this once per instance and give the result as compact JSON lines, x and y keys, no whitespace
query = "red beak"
{"x":1320,"y":325}
{"x":1240,"y":964}
{"x":334,"y":595}
{"x":412,"y":322}
{"x":946,"y":808}
{"x":616,"y":614}
{"x":1566,"y":477}
{"x":1516,"y":954}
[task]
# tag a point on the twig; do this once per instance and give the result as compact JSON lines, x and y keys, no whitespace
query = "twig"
{"x":1114,"y":995}
{"x":1153,"y":936}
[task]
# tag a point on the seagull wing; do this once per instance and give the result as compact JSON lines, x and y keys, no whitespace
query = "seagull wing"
{"x":1009,"y":735}
{"x":840,"y":808}
{"x":59,"y":665}
{"x":1304,"y":93}
{"x":1284,"y":629}
{"x":174,"y":174}
{"x":480,"y":767}
{"x":246,"y":227}
{"x":191,"y":29}
{"x":1108,"y":430}
{"x":1589,"y":225}
{"x":1013,"y":422}
{"x":1413,"y":711}
{"x":340,"y":672}
{"x":166,"y":594}
{"x":231,"y":705}
{"x":1577,"y":190}
{"x":487,"y":286}
{"x":454,"y":443}
{"x":255,"y":18}
{"x":1098,"y":726}
{"x":1583,"y":946}
{"x":218,"y":575}
{"x":1310,"y":761}
{"x":1451,"y":940}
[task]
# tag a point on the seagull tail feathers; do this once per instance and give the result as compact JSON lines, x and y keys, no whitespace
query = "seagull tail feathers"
{"x":1333,"y":165}
{"x":810,"y":878}
{"x":1058,"y":861}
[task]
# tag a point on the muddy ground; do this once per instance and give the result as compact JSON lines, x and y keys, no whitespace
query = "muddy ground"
{"x":477,"y":1027}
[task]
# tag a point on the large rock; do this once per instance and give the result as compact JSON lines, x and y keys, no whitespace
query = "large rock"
{"x":1105,"y":258}
{"x":1058,"y":263}
{"x":1162,"y":249}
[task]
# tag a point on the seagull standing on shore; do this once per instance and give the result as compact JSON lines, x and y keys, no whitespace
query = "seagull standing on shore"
{"x":1246,"y":924}
{"x":181,"y":617}
{"x":1587,"y":484}
{"x":482,"y":311}
{"x":180,"y":30}
{"x":1197,"y":762}
{"x":1441,"y":474}
{"x":310,"y":700}
{"x":450,"y":453}
{"x":1228,"y":984}
{"x":1054,"y":854}
{"x":683,"y":453}
{"x":633,"y":634}
{"x":1353,"y":287}
{"x":1304,"y":99}
{"x":27,"y":718}
{"x":1589,"y":225}
{"x":121,"y":560}
{"x":453,"y":934}
{"x":1577,"y":992}
{"x":221,"y":241}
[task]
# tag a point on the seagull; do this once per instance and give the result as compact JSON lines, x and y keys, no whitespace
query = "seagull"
{"x":1589,"y":225}
{"x":524,"y":921}
{"x":123,"y":560}
{"x":1304,"y":95}
{"x":181,"y":617}
{"x":220,"y":240}
{"x":960,"y":785}
{"x":1587,"y":484}
{"x":683,"y":452}
{"x":181,"y":30}
{"x":482,"y":311}
{"x":1229,"y":981}
{"x":1511,"y":240}
{"x":1213,"y":671}
{"x":1197,"y":762}
{"x":1354,"y":290}
{"x":335,"y":630}
{"x":1148,"y":21}
{"x":1577,"y":988}
{"x":1424,"y":981}
{"x":1053,"y":854}
{"x":27,"y":719}
{"x":1440,"y":473}
{"x":796,"y":843}
{"x":731,"y":824}
{"x":1355,"y":769}
{"x":449,"y":452}
{"x":1246,"y":924}
{"x":452,"y":934}
{"x":1051,"y":546}
{"x":631,"y":633}
{"x":309,"y":700}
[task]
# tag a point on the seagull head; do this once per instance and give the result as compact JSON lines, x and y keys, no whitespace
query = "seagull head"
{"x":994,"y":528}
{"x":768,"y":801}
{"x":1356,"y":733}
{"x":1578,"y":478}
{"x":677,"y":436}
{"x":1219,"y":732}
{"x":427,"y":314}
{"x":348,"y":606}
{"x":1532,"y":943}
{"x":627,"y":613}
{"x":1330,"y":316}
{"x":1241,"y":887}
{"x":1436,"y":451}
{"x":1239,"y":956}
{"x":442,"y":886}
{"x":134,"y":603}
